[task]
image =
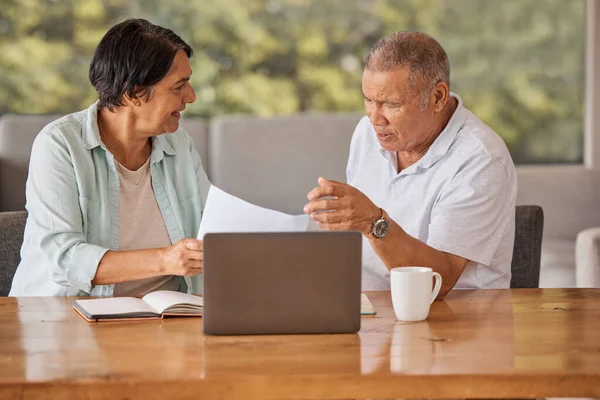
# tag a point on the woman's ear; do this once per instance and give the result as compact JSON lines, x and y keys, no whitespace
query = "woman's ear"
{"x":132,"y":100}
{"x":136,"y":98}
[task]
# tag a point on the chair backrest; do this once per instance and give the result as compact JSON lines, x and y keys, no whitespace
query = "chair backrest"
{"x":12,"y":226}
{"x":275,"y":162}
{"x":17,"y":133}
{"x":529,"y":229}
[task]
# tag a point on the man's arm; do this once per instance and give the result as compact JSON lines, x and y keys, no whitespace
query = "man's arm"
{"x":349,"y":209}
{"x":470,"y":218}
{"x":399,"y":249}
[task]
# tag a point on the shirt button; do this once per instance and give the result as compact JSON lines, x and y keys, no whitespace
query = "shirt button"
{"x":168,"y":212}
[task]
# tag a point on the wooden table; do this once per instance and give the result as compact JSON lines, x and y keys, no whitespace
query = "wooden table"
{"x":475,"y":344}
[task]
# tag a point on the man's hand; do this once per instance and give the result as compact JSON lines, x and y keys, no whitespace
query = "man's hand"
{"x":346,"y":209}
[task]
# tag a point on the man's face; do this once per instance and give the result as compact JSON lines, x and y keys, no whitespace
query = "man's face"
{"x":395,"y":110}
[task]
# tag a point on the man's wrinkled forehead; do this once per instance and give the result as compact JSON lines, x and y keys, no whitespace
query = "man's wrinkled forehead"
{"x":397,"y":81}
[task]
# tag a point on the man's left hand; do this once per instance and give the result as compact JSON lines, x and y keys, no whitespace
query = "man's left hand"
{"x":346,"y":209}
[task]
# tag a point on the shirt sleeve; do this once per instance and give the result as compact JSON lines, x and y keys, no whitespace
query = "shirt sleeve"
{"x":57,"y":213}
{"x":473,"y":211}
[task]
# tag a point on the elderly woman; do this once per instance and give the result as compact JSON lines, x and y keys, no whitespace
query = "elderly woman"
{"x":114,"y":191}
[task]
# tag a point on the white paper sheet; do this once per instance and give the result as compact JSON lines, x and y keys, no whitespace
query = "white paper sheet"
{"x":226,"y":213}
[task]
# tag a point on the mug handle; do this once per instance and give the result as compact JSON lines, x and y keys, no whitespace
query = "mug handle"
{"x":438,"y":286}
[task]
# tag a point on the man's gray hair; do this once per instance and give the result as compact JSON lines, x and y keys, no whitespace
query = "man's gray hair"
{"x":425,"y":58}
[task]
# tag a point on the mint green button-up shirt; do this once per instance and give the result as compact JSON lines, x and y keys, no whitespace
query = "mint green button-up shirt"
{"x":73,"y":201}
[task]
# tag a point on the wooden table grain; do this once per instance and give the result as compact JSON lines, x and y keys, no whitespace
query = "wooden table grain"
{"x":475,"y":344}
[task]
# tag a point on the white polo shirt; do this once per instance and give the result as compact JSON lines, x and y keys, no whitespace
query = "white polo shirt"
{"x":458,"y":198}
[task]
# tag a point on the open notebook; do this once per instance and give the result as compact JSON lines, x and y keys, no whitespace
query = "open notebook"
{"x":154,"y":305}
{"x":157,"y":305}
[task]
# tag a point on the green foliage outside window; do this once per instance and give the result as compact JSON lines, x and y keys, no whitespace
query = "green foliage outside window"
{"x":517,"y":64}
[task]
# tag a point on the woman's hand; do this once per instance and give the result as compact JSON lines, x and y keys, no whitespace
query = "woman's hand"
{"x":184,"y":258}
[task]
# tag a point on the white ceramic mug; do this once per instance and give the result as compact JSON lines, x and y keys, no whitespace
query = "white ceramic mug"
{"x":411,"y":292}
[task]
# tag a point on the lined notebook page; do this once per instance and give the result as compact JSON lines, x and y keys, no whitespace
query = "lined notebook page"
{"x":163,"y":299}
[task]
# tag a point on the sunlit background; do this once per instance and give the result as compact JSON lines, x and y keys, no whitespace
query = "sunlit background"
{"x":517,"y":64}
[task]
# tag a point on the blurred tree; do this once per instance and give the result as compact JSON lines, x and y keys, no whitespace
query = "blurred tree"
{"x":517,"y":64}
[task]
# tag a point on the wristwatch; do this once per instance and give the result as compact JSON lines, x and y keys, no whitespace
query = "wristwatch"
{"x":380,"y":227}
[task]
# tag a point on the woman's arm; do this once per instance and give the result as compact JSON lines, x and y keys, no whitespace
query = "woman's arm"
{"x":183,"y":258}
{"x":55,"y":224}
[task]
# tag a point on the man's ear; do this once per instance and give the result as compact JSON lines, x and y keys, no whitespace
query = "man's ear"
{"x":440,"y":94}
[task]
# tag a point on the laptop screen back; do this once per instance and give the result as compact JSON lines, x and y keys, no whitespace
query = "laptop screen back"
{"x":275,"y":283}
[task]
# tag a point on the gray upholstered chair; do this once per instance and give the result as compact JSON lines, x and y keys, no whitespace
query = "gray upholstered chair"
{"x":12,"y":225}
{"x":528,"y":247}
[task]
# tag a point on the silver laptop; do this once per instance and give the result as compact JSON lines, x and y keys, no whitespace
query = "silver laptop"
{"x":278,"y":283}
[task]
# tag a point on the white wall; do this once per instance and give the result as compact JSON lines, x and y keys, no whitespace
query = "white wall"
{"x":568,"y":194}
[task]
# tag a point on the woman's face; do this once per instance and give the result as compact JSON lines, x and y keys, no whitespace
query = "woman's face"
{"x":161,"y":112}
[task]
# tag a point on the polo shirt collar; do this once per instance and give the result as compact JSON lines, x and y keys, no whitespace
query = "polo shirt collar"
{"x":442,"y":143}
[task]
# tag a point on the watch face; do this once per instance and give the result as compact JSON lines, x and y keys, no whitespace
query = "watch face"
{"x":381,"y":228}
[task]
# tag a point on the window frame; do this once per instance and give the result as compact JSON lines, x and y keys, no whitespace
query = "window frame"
{"x":591,"y":140}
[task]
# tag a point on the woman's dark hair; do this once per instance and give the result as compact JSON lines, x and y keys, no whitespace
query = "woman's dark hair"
{"x":131,"y":58}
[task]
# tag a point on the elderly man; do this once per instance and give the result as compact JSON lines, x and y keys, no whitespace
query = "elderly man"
{"x":429,"y":184}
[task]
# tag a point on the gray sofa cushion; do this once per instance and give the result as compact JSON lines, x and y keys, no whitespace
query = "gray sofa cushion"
{"x":275,"y":162}
{"x":198,"y":130}
{"x":12,"y":226}
{"x":17,"y":132}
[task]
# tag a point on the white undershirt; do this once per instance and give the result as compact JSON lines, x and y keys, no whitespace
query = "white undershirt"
{"x":141,"y":226}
